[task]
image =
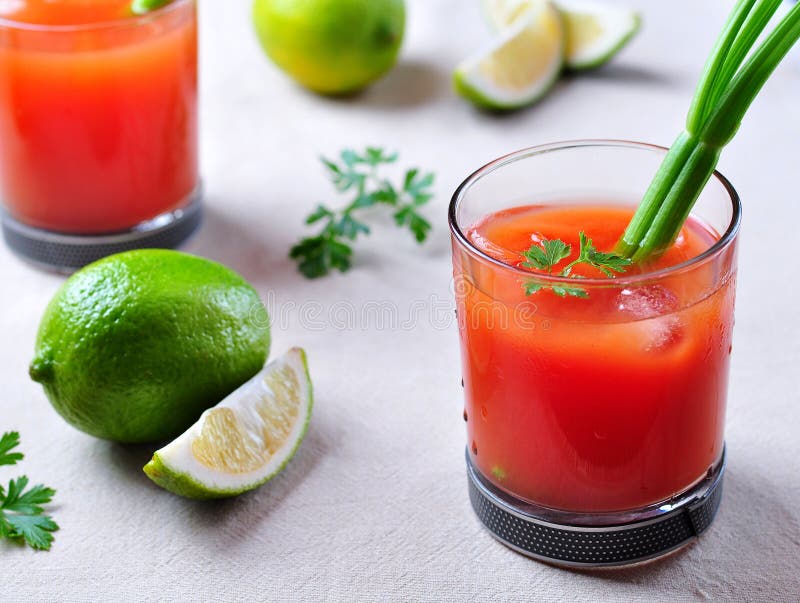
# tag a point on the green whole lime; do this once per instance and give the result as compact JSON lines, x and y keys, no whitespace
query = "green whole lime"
{"x":331,"y":46}
{"x":134,"y":347}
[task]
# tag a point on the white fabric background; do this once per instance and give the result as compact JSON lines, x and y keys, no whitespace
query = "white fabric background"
{"x":374,"y":507}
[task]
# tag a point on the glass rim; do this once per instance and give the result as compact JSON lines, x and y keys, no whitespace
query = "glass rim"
{"x":131,"y":21}
{"x":718,"y":247}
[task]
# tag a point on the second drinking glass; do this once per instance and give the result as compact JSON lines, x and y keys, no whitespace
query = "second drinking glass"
{"x":98,"y":129}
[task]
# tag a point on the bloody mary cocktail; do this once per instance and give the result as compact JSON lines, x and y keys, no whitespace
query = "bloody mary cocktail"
{"x":610,"y":403}
{"x":98,"y":113}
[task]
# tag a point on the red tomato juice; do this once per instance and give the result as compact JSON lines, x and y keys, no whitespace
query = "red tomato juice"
{"x":610,"y":403}
{"x":98,"y":112}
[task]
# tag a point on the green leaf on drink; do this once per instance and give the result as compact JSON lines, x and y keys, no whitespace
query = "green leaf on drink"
{"x":547,"y":256}
{"x":607,"y":263}
{"x":550,"y":252}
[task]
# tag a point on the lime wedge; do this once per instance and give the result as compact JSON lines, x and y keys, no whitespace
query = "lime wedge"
{"x":502,"y":13}
{"x":595,"y":32}
{"x":245,"y":440}
{"x":520,"y":66}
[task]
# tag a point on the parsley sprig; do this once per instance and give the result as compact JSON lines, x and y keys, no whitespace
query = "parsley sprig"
{"x":21,"y":512}
{"x":358,"y":175}
{"x":551,"y":252}
{"x":8,"y":442}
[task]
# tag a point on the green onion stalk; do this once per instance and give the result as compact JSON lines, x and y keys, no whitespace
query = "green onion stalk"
{"x":726,"y":90}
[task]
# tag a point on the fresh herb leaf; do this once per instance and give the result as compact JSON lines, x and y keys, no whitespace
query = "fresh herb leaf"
{"x":562,"y":291}
{"x":556,"y":250}
{"x":358,"y":174}
{"x":21,"y":512}
{"x":547,"y":255}
{"x":317,"y":256}
{"x":350,"y":158}
{"x":532,"y":287}
{"x":536,"y":259}
{"x":320,"y":213}
{"x":607,"y":263}
{"x":375,"y":156}
{"x":349,"y":227}
{"x":8,"y":442}
{"x":364,"y":200}
{"x":35,"y":530}
{"x":576,"y":292}
{"x":387,"y":194}
{"x":18,"y":500}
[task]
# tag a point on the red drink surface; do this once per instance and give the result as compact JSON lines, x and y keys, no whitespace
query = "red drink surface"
{"x":610,"y":403}
{"x":98,"y":117}
{"x":65,"y":12}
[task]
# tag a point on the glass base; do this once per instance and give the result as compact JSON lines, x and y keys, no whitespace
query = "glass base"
{"x":596,"y":540}
{"x":66,"y":253}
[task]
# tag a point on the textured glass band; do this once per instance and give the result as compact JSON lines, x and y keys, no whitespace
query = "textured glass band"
{"x":594,"y":546}
{"x":66,"y":253}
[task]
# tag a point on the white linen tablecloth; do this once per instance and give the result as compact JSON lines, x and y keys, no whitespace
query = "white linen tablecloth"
{"x":374,"y":506}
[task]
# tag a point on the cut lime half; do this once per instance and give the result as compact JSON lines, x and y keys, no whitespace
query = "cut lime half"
{"x":244,"y":440}
{"x":595,"y":31}
{"x":520,"y":66}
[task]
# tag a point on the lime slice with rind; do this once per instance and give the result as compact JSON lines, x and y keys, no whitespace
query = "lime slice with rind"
{"x":243,"y":441}
{"x":595,"y":32}
{"x":520,"y":66}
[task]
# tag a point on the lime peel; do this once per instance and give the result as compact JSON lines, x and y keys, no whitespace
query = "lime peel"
{"x":245,"y":440}
{"x":332,"y":47}
{"x":595,"y":32}
{"x":520,"y":66}
{"x":134,"y":347}
{"x":142,"y":7}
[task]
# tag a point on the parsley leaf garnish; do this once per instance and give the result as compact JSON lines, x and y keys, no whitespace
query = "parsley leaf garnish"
{"x":357,"y":175}
{"x":548,"y":255}
{"x":607,"y":263}
{"x":21,"y":512}
{"x":8,"y":442}
{"x":550,"y":252}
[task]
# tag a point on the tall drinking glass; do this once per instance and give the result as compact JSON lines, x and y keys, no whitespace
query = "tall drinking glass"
{"x":98,"y":128}
{"x":595,"y":406}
